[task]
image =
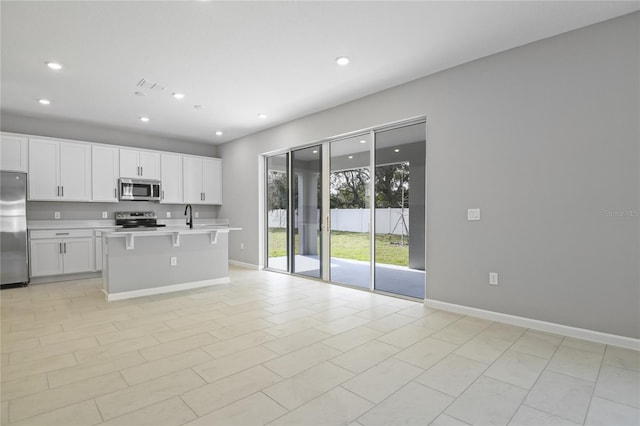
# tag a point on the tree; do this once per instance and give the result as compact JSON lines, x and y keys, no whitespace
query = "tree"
{"x":349,"y":189}
{"x":390,"y":182}
{"x":277,"y":190}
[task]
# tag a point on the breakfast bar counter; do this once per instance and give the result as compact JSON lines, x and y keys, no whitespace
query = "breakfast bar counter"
{"x":161,"y":260}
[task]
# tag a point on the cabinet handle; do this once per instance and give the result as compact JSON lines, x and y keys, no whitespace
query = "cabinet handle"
{"x":65,"y":247}
{"x":60,"y":244}
{"x":62,"y":233}
{"x":57,"y":191}
{"x":141,"y":171}
{"x":115,"y":192}
{"x":204,"y":196}
{"x":62,"y":191}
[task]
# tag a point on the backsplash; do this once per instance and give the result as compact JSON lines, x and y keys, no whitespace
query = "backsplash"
{"x":44,"y":210}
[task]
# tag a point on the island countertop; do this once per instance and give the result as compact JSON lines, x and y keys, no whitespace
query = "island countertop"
{"x":175,"y":231}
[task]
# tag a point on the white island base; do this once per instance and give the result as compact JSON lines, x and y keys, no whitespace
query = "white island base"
{"x":142,"y":263}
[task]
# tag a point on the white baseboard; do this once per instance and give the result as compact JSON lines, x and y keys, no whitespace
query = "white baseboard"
{"x":550,"y":327}
{"x":166,"y":289}
{"x":243,"y":264}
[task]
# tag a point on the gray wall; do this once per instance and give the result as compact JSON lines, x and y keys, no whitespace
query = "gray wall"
{"x":76,"y":130}
{"x":544,"y":140}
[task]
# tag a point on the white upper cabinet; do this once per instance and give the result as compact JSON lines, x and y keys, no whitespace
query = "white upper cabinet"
{"x":139,"y":164}
{"x":105,"y":169}
{"x":13,"y":153}
{"x":171,"y":172}
{"x":59,"y":171}
{"x":192,"y":171}
{"x":212,"y":181}
{"x":202,"y":180}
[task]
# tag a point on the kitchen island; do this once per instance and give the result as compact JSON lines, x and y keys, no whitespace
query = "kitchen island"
{"x":161,"y":260}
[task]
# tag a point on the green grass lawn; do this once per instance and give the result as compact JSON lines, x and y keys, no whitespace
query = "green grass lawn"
{"x":351,"y":245}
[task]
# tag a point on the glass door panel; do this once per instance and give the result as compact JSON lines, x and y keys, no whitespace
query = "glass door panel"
{"x":277,"y":203}
{"x":349,"y":198}
{"x":400,"y":210}
{"x":306,"y":169}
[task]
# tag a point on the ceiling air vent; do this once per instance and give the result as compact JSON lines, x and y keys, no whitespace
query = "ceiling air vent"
{"x":150,"y":85}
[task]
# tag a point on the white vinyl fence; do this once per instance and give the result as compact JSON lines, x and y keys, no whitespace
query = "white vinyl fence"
{"x":388,"y":221}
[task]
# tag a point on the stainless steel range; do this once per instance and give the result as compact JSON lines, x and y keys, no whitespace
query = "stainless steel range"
{"x":137,"y":220}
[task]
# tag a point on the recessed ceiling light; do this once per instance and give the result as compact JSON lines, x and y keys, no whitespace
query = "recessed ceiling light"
{"x":351,"y":156}
{"x":219,"y":133}
{"x":396,"y":150}
{"x":198,"y":107}
{"x":139,"y":93}
{"x":144,"y":119}
{"x":178,"y":95}
{"x":262,"y":116}
{"x":342,"y":61}
{"x":54,"y":65}
{"x":363,"y":141}
{"x":315,"y":151}
{"x":44,"y":101}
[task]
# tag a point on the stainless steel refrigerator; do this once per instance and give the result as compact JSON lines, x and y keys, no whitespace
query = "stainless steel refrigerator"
{"x":14,"y":259}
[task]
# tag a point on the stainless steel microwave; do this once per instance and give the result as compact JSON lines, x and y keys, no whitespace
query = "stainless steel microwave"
{"x":139,"y":189}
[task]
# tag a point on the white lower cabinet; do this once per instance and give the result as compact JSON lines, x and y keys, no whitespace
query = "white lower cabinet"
{"x":98,"y":251}
{"x":56,"y":252}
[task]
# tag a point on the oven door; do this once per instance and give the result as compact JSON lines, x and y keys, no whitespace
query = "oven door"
{"x":139,"y":190}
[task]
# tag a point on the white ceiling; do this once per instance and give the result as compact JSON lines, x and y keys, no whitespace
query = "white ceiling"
{"x":238,"y":59}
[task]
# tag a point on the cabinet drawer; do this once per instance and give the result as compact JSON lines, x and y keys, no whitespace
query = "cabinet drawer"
{"x":60,"y":233}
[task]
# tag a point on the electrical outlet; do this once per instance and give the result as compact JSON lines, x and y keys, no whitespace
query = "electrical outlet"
{"x":56,"y":215}
{"x":105,"y":215}
{"x":168,"y":215}
{"x":493,"y":278}
{"x":196,"y":214}
{"x":174,"y":261}
{"x":241,"y":246}
{"x":473,"y":214}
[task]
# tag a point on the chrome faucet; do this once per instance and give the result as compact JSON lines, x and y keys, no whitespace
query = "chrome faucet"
{"x":190,"y":218}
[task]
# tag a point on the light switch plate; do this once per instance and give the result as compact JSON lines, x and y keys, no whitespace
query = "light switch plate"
{"x":168,"y":215}
{"x":104,"y":215}
{"x":56,"y":215}
{"x":196,"y":214}
{"x":473,"y":214}
{"x":493,"y":278}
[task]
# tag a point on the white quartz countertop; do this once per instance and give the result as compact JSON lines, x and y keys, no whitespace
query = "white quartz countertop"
{"x":109,"y":225}
{"x":70,"y":224}
{"x":142,"y":232}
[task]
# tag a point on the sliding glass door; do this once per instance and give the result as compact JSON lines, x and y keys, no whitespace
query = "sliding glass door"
{"x":351,"y":210}
{"x":400,"y":159}
{"x":277,"y":217}
{"x":349,"y":197}
{"x":306,"y":190}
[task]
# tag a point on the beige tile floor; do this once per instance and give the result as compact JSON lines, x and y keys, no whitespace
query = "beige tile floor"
{"x":275,"y":349}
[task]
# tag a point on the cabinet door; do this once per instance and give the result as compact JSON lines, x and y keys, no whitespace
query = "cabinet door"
{"x":149,"y":165}
{"x":105,"y":166}
{"x":98,"y":253}
{"x":79,"y":255}
{"x":129,"y":166}
{"x":44,"y":165}
{"x":212,"y":181}
{"x":46,"y":257}
{"x":171,"y":172}
{"x":75,"y":171}
{"x":13,"y":153}
{"x":192,"y":172}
